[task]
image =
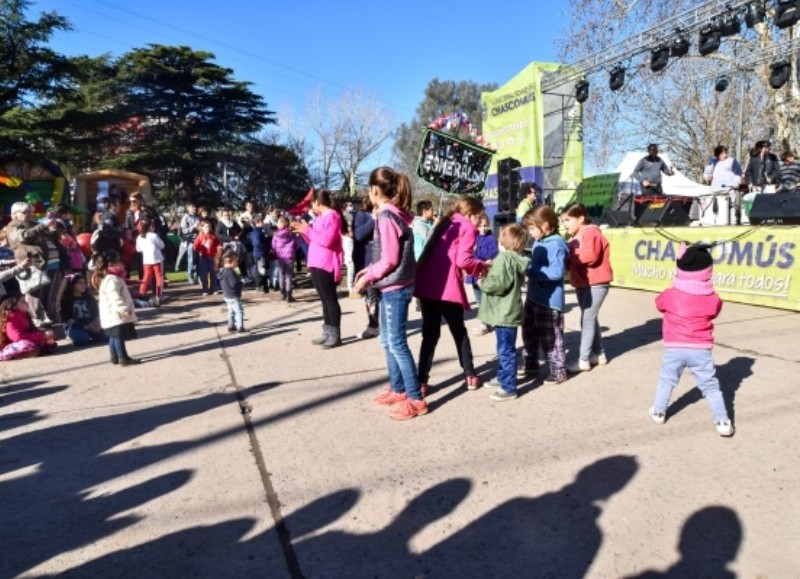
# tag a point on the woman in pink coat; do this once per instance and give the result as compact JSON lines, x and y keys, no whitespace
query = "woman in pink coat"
{"x":440,"y":286}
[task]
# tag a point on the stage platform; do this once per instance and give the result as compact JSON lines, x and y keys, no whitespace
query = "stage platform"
{"x":752,"y":264}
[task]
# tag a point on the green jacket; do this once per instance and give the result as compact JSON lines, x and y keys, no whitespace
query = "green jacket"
{"x":501,"y":304}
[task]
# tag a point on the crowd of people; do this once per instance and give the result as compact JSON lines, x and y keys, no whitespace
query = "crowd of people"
{"x":389,"y":257}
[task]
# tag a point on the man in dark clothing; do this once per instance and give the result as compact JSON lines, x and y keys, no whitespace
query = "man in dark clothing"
{"x":109,"y":233}
{"x":649,"y":169}
{"x":763,"y":169}
{"x":790,"y":173}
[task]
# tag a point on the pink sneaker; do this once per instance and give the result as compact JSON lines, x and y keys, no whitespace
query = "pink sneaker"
{"x":409,"y":409}
{"x":389,"y":398}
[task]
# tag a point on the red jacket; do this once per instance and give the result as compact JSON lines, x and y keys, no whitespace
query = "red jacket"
{"x":206,"y":245}
{"x":589,"y":258}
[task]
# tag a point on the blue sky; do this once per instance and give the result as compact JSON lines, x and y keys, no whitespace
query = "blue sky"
{"x":288,"y":49}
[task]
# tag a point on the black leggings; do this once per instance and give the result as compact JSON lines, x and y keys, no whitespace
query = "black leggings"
{"x":432,"y":313}
{"x":327,"y":289}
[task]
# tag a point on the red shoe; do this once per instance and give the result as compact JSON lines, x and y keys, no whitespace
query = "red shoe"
{"x":409,"y":409}
{"x":473,"y":382}
{"x":389,"y":398}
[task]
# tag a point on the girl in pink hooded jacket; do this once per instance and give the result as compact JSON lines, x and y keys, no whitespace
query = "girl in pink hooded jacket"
{"x":689,"y":308}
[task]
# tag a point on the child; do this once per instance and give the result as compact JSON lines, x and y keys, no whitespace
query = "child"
{"x":232,"y":291}
{"x":205,"y":246}
{"x":150,"y":245}
{"x":392,"y":273}
{"x":19,"y":338}
{"x":284,"y":244}
{"x":80,"y":313}
{"x":260,"y":270}
{"x":485,"y":249}
{"x":502,"y":306}
{"x":544,"y":307}
{"x":117,"y":316}
{"x":689,"y":307}
{"x":422,"y":226}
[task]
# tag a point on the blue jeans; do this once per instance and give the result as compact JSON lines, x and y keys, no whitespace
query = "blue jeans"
{"x":235,"y":313}
{"x":701,"y":365}
{"x":506,"y":357}
{"x":190,"y":255}
{"x":80,"y":337}
{"x":393,"y":322}
{"x":117,"y":347}
{"x":590,"y":299}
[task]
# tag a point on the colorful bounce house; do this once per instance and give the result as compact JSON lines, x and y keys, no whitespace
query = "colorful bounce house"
{"x":42,"y":184}
{"x":92,"y":189}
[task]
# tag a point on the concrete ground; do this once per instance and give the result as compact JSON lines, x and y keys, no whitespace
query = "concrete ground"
{"x":260,"y":455}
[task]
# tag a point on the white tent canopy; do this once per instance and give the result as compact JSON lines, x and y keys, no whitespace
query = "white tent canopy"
{"x":677,"y":184}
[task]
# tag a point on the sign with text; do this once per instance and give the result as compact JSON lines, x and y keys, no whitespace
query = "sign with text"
{"x":757,"y":269}
{"x":456,"y":166}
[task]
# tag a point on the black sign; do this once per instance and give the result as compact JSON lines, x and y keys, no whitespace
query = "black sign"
{"x":456,"y":166}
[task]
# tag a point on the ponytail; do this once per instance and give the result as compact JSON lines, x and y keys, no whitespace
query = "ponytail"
{"x":393,"y":185}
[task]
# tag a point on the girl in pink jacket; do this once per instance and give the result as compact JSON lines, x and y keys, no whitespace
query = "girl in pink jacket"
{"x":440,"y":286}
{"x":324,"y":263}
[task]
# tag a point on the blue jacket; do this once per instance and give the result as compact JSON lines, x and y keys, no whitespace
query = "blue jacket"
{"x":485,"y":249}
{"x":259,"y":242}
{"x":546,"y":273}
{"x":363,"y":231}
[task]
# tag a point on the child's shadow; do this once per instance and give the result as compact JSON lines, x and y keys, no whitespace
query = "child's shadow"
{"x":730,"y":376}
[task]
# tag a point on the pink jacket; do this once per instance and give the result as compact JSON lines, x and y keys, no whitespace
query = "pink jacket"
{"x":389,"y":234}
{"x":689,"y":308}
{"x":19,"y":327}
{"x":324,"y":237}
{"x":589,"y":258}
{"x":441,"y":276}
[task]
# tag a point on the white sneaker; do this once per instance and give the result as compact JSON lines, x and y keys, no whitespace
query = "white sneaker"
{"x":724,"y":427}
{"x":580,"y":366}
{"x":494,"y":384}
{"x":658,"y":417}
{"x":598,"y":359}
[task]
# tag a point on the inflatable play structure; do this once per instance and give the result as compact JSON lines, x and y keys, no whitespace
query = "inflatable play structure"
{"x":92,"y":189}
{"x":42,"y":184}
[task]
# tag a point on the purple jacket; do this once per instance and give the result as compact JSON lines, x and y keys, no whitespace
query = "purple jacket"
{"x":440,"y":277}
{"x":324,"y":237}
{"x":284,"y":244}
{"x":485,"y":249}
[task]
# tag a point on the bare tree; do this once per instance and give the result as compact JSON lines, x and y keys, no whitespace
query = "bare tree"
{"x":679,"y":106}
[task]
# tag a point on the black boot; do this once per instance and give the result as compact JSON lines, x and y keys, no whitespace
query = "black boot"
{"x":289,"y":298}
{"x":128,"y":361}
{"x":114,"y":359}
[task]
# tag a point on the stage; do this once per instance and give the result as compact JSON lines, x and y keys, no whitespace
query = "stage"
{"x":752,"y":265}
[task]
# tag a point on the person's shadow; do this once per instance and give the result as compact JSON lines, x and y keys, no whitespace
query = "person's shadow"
{"x":709,"y":541}
{"x":730,"y":376}
{"x":384,"y":553}
{"x":554,"y":535}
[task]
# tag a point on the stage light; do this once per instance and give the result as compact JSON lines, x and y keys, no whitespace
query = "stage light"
{"x":722,"y":83}
{"x":617,"y":78}
{"x":680,"y":44}
{"x":781,"y":70}
{"x":659,"y":58}
{"x":709,"y":39}
{"x":582,"y":90}
{"x":787,"y":13}
{"x":755,"y":13}
{"x":730,"y":25}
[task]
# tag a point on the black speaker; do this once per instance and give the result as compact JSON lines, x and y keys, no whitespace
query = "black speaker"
{"x":670,"y":213}
{"x":618,"y":218}
{"x":781,"y":208}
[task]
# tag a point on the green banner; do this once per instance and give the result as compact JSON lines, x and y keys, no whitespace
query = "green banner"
{"x":597,"y":193}
{"x":755,"y":266}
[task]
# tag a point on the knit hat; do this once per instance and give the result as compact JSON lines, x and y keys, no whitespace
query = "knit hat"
{"x":694,"y":258}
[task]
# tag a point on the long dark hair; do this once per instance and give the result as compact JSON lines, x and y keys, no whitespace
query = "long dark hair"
{"x":393,"y":185}
{"x":325,"y":198}
{"x":465,"y":206}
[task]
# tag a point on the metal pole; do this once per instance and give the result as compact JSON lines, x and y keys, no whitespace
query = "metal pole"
{"x":739,"y":151}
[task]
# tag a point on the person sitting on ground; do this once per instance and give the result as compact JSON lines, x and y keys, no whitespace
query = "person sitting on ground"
{"x":79,"y":312}
{"x":19,"y":338}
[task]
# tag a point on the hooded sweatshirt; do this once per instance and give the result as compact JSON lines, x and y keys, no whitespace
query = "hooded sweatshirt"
{"x":689,"y":307}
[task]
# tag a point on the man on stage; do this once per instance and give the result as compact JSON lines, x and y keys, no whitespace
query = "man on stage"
{"x":649,"y":169}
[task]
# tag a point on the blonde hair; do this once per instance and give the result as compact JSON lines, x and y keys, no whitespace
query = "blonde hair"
{"x":513,"y":237}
